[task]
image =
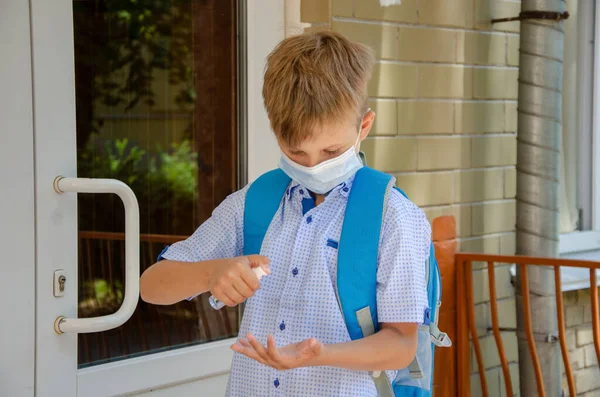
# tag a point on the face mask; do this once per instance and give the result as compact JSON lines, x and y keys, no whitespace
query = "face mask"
{"x":324,"y":176}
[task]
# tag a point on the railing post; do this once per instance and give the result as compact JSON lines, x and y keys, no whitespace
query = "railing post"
{"x":446,"y":370}
{"x":466,"y":319}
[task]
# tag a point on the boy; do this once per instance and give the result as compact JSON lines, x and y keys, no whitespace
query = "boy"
{"x":293,"y":338}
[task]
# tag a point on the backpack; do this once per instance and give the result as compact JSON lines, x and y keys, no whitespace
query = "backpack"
{"x":357,"y":269}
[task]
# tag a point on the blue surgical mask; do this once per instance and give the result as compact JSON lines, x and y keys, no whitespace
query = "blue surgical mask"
{"x":324,"y":176}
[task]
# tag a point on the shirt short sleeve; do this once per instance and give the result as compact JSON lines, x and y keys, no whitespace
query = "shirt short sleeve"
{"x":221,"y":236}
{"x":403,"y":252}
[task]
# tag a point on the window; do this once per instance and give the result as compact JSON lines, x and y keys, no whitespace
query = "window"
{"x":157,"y":96}
{"x":580,"y":171}
{"x":579,"y":200}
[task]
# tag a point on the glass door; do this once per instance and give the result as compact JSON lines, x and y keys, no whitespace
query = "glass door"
{"x":156,"y":95}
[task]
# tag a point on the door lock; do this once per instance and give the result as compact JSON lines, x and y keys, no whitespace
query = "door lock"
{"x":60,"y":279}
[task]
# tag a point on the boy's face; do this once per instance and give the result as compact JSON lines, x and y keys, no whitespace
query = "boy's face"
{"x":329,"y":140}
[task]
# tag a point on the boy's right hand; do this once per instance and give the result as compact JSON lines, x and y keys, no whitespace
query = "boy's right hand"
{"x":232,"y":280}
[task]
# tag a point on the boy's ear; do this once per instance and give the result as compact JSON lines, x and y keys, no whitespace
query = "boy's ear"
{"x":367,"y":124}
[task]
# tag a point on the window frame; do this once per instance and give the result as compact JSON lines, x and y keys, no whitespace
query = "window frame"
{"x":585,"y":244}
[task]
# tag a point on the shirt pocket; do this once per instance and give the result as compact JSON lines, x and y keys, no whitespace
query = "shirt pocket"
{"x":331,"y":258}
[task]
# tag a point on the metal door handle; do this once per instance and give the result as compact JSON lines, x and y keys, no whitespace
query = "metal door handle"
{"x":132,"y":254}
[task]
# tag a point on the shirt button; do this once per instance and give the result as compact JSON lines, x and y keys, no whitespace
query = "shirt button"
{"x":276,"y":382}
{"x":345,"y":189}
{"x":282,"y":326}
{"x":309,"y":219}
{"x":301,"y":191}
{"x":295,"y":271}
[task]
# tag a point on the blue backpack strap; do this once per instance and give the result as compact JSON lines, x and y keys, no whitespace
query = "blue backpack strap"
{"x":358,"y":252}
{"x":357,"y":259}
{"x":262,"y":202}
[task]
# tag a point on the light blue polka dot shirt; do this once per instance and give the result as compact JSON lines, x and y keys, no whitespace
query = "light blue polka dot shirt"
{"x":298,"y":300}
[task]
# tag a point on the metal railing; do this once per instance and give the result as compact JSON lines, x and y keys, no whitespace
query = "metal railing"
{"x":466,"y":317}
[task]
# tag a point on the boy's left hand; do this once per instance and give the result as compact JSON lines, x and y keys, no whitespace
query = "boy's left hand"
{"x":296,"y":355}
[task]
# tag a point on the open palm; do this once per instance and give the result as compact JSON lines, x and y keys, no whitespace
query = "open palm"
{"x":291,"y":356}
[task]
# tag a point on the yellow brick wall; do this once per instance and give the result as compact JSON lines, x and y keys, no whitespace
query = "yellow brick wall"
{"x":580,"y":342}
{"x":444,"y":89}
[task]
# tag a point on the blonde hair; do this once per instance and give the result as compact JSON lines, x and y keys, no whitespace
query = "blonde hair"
{"x":314,"y":78}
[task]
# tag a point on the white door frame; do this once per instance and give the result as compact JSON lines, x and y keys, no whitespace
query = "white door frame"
{"x":266,"y":28}
{"x":56,"y":215}
{"x":17,"y":267}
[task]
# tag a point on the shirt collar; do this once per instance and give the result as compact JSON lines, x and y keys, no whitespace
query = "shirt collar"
{"x":291,"y":189}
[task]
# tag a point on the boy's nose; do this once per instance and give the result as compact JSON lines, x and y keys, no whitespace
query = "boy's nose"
{"x":311,"y":161}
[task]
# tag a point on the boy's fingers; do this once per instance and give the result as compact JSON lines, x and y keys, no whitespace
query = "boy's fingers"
{"x":273,"y":351}
{"x":235,"y":296}
{"x":243,"y":288}
{"x":258,"y":260}
{"x":250,"y":279}
{"x":248,"y":352}
{"x":258,"y":347}
{"x":223,"y":297}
